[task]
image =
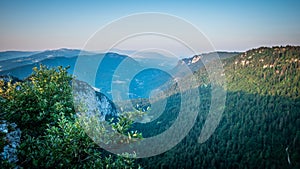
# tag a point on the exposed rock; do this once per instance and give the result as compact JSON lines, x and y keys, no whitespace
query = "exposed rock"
{"x":12,"y":141}
{"x":89,"y":101}
{"x":196,"y":59}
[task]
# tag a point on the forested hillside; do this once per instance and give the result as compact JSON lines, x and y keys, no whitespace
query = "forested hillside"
{"x":266,"y":71}
{"x":260,"y":127}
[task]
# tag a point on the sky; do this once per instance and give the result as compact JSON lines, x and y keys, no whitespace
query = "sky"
{"x":229,"y":25}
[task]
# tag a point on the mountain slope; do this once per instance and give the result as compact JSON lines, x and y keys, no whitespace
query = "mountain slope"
{"x":18,"y":59}
{"x":267,"y":71}
{"x":260,"y":127}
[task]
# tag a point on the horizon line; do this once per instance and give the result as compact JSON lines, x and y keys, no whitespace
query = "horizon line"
{"x":124,"y":50}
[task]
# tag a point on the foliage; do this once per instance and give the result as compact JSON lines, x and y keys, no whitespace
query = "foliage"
{"x":124,"y":124}
{"x":39,"y":100}
{"x":52,"y":136}
{"x":67,"y":145}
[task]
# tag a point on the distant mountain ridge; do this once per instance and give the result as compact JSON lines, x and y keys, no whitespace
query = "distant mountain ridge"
{"x":65,"y":58}
{"x":26,"y":58}
{"x":105,"y":76}
{"x":13,"y":59}
{"x":15,"y":54}
{"x":140,"y":87}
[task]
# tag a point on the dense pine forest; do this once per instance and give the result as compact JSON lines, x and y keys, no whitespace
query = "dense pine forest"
{"x":260,"y":127}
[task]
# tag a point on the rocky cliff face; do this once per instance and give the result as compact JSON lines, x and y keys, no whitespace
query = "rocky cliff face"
{"x":89,"y":101}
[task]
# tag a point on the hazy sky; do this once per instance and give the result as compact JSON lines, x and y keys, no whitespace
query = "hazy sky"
{"x":229,"y":25}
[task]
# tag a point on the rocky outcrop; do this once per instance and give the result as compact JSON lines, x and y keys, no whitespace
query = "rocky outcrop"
{"x":89,"y":101}
{"x":10,"y":139}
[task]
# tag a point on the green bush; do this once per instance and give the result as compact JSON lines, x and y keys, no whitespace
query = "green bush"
{"x":67,"y":146}
{"x":39,"y":100}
